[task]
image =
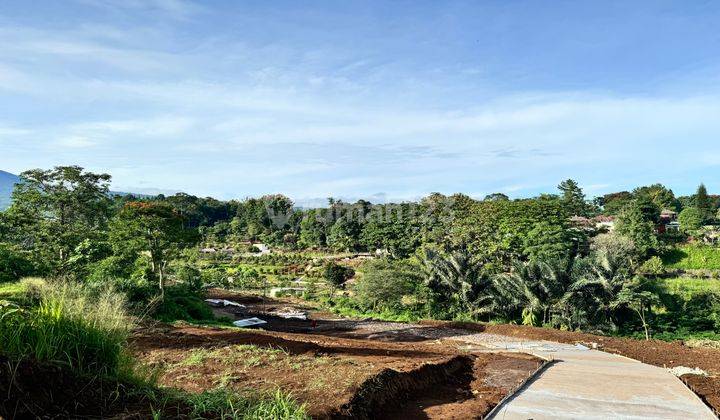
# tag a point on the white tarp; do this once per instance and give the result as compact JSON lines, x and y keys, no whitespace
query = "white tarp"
{"x":249,"y":322}
{"x":290,"y":313}
{"x":223,"y":302}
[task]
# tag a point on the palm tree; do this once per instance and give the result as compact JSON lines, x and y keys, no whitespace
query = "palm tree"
{"x":597,"y":283}
{"x":455,"y":275}
{"x":532,"y":288}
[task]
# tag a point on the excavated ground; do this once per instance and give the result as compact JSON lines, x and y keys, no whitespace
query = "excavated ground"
{"x":339,"y":368}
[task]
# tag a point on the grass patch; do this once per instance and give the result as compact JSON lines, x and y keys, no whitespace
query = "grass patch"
{"x":196,"y":357}
{"x":687,"y":287}
{"x":11,"y":290}
{"x":345,"y":307}
{"x":224,"y":403}
{"x":84,"y":330}
{"x":693,"y":257}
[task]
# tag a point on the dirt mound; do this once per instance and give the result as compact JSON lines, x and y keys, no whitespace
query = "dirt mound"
{"x":389,"y":387}
{"x":463,"y":387}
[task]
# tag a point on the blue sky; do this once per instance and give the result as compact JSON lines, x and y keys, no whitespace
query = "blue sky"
{"x":386,"y":100}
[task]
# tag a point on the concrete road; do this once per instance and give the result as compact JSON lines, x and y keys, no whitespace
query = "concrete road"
{"x":590,"y":384}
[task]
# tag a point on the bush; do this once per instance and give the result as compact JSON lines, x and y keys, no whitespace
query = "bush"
{"x":181,"y":303}
{"x":190,"y":276}
{"x":214,"y":276}
{"x":652,"y":267}
{"x":70,"y":324}
{"x":693,"y":305}
{"x":384,"y":284}
{"x":13,"y":264}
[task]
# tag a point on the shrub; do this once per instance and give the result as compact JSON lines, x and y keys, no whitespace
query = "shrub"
{"x":181,"y":303}
{"x":691,"y":219}
{"x":653,"y":267}
{"x":13,"y":264}
{"x":384,"y":284}
{"x":214,"y":276}
{"x":190,"y":276}
{"x":71,"y":324}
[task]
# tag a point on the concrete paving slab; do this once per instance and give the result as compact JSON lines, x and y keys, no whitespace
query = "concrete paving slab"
{"x":590,"y":384}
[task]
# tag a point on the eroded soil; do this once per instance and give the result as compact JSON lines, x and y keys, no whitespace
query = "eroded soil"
{"x":330,"y":364}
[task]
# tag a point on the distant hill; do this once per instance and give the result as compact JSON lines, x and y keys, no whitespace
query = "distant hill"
{"x":7,"y":183}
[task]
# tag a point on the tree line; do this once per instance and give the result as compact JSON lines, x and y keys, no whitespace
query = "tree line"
{"x":526,"y":260}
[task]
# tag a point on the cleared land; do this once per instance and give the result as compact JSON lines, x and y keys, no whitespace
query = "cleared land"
{"x":339,"y":368}
{"x":431,"y":342}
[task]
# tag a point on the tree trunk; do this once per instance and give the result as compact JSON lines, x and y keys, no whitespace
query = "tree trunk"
{"x":161,"y":276}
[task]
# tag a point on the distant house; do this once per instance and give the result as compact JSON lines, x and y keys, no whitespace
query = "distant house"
{"x":594,"y":223}
{"x":604,"y":222}
{"x":668,"y":216}
{"x":668,"y":222}
{"x":672,"y":226}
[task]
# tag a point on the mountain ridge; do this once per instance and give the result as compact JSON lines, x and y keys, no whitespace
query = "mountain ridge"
{"x":7,"y":183}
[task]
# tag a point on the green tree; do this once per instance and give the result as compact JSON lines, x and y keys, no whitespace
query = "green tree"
{"x":336,"y":275}
{"x":637,"y":298}
{"x":702,"y":202}
{"x":55,"y":210}
{"x":395,"y":228}
{"x":599,"y":278}
{"x":497,"y":197}
{"x":344,"y":235}
{"x":312,"y":230}
{"x":661,"y":196}
{"x":613,"y":203}
{"x":152,"y":228}
{"x":632,"y":223}
{"x":573,"y":198}
{"x":384,"y":283}
{"x":13,"y":264}
{"x":531,"y":289}
{"x":691,"y":219}
{"x":547,"y":242}
{"x":457,"y":278}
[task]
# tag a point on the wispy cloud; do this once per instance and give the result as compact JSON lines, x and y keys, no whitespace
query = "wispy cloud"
{"x":242,"y":99}
{"x":176,"y":9}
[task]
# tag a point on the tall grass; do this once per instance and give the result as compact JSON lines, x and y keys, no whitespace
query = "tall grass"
{"x":70,"y":324}
{"x":86,"y":329}
{"x":224,"y":403}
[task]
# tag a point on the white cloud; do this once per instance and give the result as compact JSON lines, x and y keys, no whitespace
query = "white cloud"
{"x":77,"y":142}
{"x":243,"y":118}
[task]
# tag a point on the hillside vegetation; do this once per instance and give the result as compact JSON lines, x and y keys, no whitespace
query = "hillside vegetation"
{"x":693,"y":257}
{"x":556,"y":261}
